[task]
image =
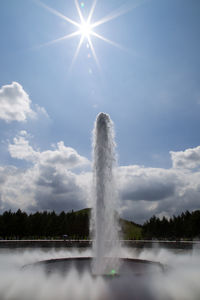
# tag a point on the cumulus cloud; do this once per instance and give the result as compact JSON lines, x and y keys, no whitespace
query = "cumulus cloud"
{"x":21,"y":149}
{"x":62,"y":156}
{"x":15,"y":104}
{"x":190,"y":158}
{"x":151,"y":184}
{"x":52,"y":181}
{"x":12,"y":188}
{"x":58,"y":190}
{"x":155,"y":191}
{"x":40,"y":188}
{"x":142,"y":189}
{"x":47,"y":183}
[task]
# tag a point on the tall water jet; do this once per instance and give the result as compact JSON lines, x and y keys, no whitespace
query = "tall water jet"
{"x":106,"y":242}
{"x":135,"y":274}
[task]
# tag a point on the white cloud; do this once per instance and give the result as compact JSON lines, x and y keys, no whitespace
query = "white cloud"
{"x":190,"y":158}
{"x":61,"y":156}
{"x":142,"y":189}
{"x":15,"y":104}
{"x":17,"y":191}
{"x":23,"y":133}
{"x":40,"y":188}
{"x":49,"y":182}
{"x":148,"y":191}
{"x":139,"y":183}
{"x":58,"y":190}
{"x":41,"y":111}
{"x":21,"y":149}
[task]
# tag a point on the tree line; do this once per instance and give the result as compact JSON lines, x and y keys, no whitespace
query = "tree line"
{"x":18,"y":225}
{"x":75,"y":225}
{"x":186,"y":226}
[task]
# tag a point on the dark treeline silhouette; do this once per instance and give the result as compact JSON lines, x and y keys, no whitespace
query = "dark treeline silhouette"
{"x":18,"y":225}
{"x":75,"y":225}
{"x":184,"y":226}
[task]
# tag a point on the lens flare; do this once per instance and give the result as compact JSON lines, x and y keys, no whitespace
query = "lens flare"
{"x":85,"y":28}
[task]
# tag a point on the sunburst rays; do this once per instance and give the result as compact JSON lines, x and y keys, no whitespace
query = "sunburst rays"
{"x":85,"y":29}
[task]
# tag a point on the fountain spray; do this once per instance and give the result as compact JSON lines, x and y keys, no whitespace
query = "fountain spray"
{"x":106,"y":241}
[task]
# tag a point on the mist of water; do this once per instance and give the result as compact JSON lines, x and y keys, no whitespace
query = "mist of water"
{"x":106,"y":241}
{"x":180,"y":282}
{"x":17,"y":283}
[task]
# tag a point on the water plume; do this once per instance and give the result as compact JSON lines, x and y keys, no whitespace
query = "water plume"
{"x":106,"y":242}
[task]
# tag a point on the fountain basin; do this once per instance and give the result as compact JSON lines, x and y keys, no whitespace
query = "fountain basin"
{"x":127,"y":266}
{"x":132,"y":281}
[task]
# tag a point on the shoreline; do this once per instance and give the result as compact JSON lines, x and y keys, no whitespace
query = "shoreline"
{"x":88,"y":243}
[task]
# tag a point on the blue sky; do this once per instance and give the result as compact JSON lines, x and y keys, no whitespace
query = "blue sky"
{"x":150,"y":88}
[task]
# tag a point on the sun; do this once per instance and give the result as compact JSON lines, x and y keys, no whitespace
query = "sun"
{"x":85,"y":28}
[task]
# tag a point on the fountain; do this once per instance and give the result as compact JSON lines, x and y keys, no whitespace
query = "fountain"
{"x":129,"y":276}
{"x":106,"y":241}
{"x":103,"y":273}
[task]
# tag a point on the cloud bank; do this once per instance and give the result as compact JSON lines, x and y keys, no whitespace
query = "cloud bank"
{"x":56,"y":179}
{"x":157,"y":191}
{"x":47,"y":183}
